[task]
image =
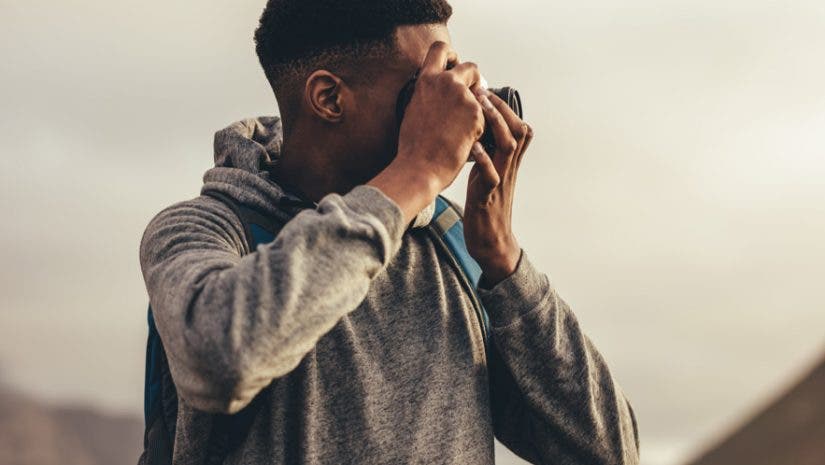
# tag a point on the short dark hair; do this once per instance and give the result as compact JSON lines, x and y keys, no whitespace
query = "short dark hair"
{"x":294,"y":36}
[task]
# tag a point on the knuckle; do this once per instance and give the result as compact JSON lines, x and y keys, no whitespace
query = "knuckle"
{"x":456,"y":80}
{"x":478,"y":128}
{"x":442,"y":78}
{"x":529,"y":131}
{"x":449,"y":80}
{"x":521,"y":131}
{"x":479,"y":116}
{"x":510,"y":145}
{"x":469,"y":103}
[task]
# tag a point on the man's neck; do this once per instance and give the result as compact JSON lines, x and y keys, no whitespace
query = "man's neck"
{"x":306,"y":172}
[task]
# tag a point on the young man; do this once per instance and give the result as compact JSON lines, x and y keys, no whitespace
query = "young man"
{"x":349,"y":339}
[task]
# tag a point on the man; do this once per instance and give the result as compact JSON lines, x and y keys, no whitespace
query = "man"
{"x":349,"y":339}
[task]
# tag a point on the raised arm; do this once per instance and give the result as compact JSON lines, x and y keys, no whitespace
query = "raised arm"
{"x":231,"y":324}
{"x":553,"y":398}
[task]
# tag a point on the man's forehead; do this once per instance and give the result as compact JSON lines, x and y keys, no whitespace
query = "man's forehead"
{"x":415,"y":40}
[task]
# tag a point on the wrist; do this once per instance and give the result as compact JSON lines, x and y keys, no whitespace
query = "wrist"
{"x":499,"y":266}
{"x":411,"y":189}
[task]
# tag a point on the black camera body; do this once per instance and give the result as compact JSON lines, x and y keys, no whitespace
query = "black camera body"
{"x":508,"y":94}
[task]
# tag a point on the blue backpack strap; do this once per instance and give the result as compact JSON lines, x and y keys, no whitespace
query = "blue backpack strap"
{"x":447,"y":224}
{"x":259,"y":235}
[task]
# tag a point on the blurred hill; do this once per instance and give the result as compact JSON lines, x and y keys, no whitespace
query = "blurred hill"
{"x":790,"y":431}
{"x":33,"y":433}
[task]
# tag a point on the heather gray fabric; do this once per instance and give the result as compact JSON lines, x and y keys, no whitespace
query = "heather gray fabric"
{"x":349,"y":339}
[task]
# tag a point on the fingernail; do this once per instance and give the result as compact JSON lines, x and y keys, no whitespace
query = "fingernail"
{"x":483,"y":83}
{"x":486,"y":103}
{"x":477,"y":148}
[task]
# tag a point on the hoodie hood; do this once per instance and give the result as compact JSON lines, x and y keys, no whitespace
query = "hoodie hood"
{"x":242,"y":150}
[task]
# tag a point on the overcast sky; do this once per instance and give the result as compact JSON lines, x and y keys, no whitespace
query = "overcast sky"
{"x":674,"y":191}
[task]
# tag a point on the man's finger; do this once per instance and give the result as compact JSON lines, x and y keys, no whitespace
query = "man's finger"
{"x":438,"y":56}
{"x":468,"y":73}
{"x":524,"y":147}
{"x":516,"y":125}
{"x":521,"y":131}
{"x":506,"y":145}
{"x":489,"y":176}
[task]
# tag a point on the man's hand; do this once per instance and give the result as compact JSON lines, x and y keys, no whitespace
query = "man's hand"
{"x":440,"y":124}
{"x":488,"y":210}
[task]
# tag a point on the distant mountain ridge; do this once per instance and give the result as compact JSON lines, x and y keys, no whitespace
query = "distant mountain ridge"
{"x":34,"y":433}
{"x":789,"y":431}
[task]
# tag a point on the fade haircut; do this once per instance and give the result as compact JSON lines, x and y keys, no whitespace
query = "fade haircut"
{"x":296,"y":37}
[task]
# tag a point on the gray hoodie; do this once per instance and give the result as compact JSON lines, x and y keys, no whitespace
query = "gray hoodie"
{"x":349,"y":339}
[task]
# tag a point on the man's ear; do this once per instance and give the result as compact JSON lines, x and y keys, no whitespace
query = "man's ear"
{"x":324,"y":95}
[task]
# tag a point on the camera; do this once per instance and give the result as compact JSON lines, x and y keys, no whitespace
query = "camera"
{"x":508,"y":94}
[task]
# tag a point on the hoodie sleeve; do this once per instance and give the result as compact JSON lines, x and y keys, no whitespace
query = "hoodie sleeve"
{"x":230,"y":324}
{"x":553,"y":398}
